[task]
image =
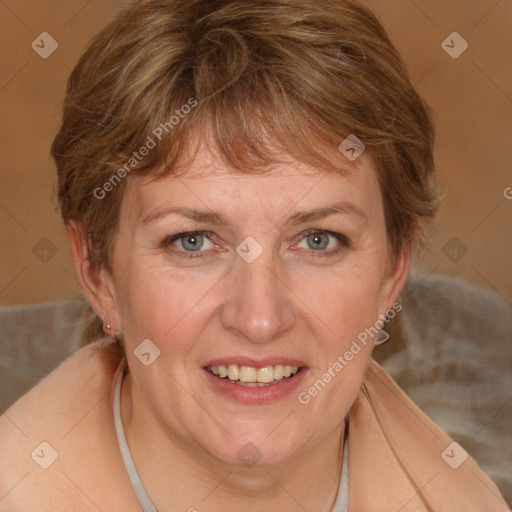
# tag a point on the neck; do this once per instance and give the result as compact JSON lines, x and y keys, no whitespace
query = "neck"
{"x":174,"y":471}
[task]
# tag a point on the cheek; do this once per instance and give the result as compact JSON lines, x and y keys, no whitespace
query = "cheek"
{"x":345,"y":303}
{"x":346,"y":309}
{"x":161,"y":304}
{"x":344,"y":312}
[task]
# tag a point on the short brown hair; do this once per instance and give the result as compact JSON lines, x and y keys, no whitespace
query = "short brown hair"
{"x":269,"y":78}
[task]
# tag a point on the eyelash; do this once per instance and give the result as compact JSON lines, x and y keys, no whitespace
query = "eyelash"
{"x":344,"y":243}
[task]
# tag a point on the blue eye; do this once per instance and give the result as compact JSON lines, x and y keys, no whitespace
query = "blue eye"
{"x":319,"y":240}
{"x":189,"y":244}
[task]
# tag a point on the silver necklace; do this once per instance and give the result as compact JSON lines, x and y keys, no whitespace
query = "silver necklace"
{"x":340,"y":505}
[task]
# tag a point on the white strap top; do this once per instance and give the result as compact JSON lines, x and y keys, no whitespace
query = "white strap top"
{"x":340,"y":505}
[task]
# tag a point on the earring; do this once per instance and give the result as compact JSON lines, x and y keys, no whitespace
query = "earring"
{"x":107,"y":330}
{"x":382,"y":337}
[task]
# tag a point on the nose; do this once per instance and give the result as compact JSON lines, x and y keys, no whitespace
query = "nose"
{"x":259,"y":305}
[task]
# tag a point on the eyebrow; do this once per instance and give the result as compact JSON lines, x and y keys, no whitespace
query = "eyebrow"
{"x":342,"y":208}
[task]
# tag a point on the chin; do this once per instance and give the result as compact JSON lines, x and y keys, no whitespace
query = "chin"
{"x":264,"y":446}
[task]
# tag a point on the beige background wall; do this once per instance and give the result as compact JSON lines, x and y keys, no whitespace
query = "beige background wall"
{"x":471,"y":96}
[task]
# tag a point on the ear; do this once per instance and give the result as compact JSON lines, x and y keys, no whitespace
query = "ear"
{"x":395,"y":278}
{"x":96,"y":283}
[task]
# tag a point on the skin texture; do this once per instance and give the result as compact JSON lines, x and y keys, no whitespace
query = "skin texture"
{"x":292,"y":301}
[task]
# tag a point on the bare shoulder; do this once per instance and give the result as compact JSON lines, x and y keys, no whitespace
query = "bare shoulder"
{"x":58,"y":434}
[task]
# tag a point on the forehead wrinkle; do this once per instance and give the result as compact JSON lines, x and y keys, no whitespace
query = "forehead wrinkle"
{"x":217,"y":218}
{"x":341,"y":208}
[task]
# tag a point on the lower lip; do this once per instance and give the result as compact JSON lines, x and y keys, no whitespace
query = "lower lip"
{"x":258,"y":394}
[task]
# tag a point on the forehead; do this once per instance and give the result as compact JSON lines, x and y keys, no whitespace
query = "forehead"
{"x":207,"y":184}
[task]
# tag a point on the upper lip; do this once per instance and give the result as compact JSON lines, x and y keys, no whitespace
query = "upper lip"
{"x":255,"y":362}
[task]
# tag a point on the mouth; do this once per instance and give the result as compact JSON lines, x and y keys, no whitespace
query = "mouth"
{"x":251,"y":377}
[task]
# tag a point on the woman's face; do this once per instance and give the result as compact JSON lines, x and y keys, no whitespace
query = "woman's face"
{"x":266,"y":278}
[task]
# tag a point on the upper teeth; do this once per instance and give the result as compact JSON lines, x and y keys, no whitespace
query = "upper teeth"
{"x":251,"y":374}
